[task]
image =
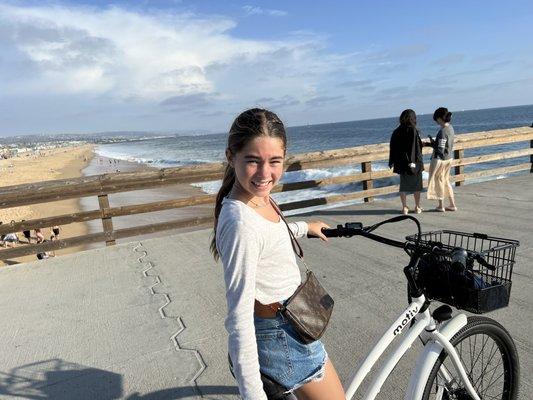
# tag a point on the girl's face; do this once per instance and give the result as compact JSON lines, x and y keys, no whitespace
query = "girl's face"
{"x":259,"y":165}
{"x":441,"y":122}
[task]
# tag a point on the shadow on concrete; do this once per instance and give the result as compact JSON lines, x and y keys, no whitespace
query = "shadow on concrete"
{"x":58,"y":379}
{"x":62,"y":380}
{"x":186,"y":392}
{"x":10,"y":262}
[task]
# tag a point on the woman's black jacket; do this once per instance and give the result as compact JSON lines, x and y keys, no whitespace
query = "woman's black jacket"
{"x":401,"y":149}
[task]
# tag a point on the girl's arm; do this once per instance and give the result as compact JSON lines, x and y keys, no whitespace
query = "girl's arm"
{"x":299,"y":229}
{"x":239,"y":248}
{"x":302,"y":228}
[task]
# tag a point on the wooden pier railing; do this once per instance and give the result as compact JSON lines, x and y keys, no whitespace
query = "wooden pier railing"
{"x":103,"y":185}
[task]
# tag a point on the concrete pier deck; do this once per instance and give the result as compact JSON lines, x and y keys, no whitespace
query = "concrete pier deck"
{"x":144,"y":320}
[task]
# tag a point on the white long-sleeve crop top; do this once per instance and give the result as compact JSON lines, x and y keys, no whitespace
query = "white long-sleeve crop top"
{"x":259,"y":264}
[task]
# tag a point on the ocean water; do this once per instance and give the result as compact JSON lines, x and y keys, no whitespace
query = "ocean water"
{"x":191,"y":150}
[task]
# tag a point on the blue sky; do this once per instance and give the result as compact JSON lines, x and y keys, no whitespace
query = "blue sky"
{"x":189,"y":66}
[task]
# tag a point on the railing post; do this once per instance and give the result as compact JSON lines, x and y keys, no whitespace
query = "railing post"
{"x":459,"y":169}
{"x":103,"y":202}
{"x":369,"y":183}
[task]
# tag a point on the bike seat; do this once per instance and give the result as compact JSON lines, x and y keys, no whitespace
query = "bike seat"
{"x":273,"y":389}
{"x":443,"y":313}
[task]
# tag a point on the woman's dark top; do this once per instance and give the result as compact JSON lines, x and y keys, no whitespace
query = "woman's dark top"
{"x":405,"y":148}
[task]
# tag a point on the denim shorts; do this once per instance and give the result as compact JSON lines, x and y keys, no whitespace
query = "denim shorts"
{"x":283,"y":357}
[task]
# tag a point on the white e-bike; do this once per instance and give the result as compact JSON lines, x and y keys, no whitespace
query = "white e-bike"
{"x":463,"y":358}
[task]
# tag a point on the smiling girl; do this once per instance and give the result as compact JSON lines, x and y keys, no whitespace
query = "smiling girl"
{"x":260,"y":268}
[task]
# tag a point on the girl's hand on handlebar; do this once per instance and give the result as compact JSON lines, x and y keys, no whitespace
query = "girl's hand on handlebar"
{"x":315,"y":229}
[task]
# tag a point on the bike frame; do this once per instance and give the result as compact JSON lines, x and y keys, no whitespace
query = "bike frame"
{"x":436,"y":338}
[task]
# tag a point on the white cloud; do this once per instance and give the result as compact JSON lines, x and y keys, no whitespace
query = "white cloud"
{"x":253,"y":10}
{"x":75,"y":50}
{"x":152,"y":56}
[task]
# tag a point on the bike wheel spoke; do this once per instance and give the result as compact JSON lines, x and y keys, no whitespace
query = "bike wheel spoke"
{"x":475,"y":351}
{"x":477,"y":384}
{"x":481,"y":360}
{"x":493,"y":370}
{"x":500,"y":376}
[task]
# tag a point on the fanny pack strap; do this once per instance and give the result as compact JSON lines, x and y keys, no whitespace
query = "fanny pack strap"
{"x":295,"y":245}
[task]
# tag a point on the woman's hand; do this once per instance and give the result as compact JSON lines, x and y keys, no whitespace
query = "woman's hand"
{"x":315,"y":228}
{"x":430,"y":142}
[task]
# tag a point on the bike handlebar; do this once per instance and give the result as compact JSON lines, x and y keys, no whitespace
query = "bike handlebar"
{"x":458,"y":255}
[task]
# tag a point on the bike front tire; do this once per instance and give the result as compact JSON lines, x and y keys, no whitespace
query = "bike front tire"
{"x":489,"y":357}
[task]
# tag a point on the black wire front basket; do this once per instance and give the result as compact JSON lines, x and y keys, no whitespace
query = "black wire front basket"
{"x":477,"y":288}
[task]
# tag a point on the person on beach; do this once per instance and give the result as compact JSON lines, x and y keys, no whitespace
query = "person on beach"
{"x":260,"y":268}
{"x":39,"y":235}
{"x":439,"y":186}
{"x":55,"y":231}
{"x":405,"y":157}
{"x":11,"y":239}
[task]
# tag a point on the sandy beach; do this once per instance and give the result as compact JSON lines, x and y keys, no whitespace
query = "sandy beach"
{"x":60,"y":163}
{"x":72,"y":162}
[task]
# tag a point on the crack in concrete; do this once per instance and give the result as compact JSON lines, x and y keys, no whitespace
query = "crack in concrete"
{"x":497,"y":197}
{"x":174,"y":338}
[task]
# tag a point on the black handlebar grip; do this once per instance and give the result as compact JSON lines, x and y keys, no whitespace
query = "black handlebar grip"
{"x":328,"y":232}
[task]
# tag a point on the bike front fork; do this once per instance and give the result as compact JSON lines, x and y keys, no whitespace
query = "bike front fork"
{"x":456,"y":361}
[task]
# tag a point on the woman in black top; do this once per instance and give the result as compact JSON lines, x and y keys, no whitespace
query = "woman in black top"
{"x":405,"y":157}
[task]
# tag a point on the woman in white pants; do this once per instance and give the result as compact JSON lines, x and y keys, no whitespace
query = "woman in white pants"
{"x":439,"y":186}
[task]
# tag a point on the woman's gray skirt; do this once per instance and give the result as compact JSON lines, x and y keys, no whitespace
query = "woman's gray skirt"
{"x":411,"y":183}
